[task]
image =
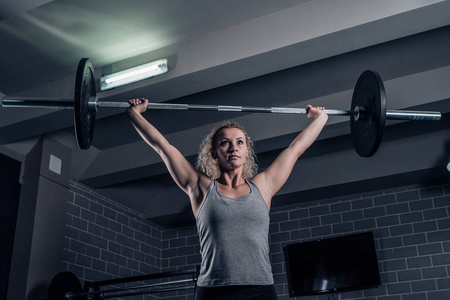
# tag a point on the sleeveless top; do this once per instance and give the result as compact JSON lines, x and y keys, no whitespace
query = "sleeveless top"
{"x":234,"y":239}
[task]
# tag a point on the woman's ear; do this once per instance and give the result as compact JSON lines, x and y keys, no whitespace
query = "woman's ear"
{"x":213,"y":154}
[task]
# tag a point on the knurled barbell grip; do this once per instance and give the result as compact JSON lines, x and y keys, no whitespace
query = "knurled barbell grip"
{"x":229,"y":108}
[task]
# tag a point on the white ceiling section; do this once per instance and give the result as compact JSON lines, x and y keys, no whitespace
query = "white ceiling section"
{"x":234,"y":52}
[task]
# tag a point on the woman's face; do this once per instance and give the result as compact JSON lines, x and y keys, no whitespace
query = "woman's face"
{"x":231,"y":148}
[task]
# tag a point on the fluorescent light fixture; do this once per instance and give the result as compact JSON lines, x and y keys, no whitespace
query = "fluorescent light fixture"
{"x":134,"y":74}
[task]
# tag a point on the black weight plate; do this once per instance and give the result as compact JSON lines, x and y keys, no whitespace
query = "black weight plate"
{"x":63,"y":283}
{"x":84,"y":89}
{"x":367,"y":131}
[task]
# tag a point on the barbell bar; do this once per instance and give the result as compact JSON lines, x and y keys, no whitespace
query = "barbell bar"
{"x":132,"y":290}
{"x":94,"y":105}
{"x":66,"y":285}
{"x":368,"y":109}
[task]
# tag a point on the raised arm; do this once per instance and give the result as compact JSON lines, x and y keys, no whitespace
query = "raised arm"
{"x":189,"y":179}
{"x":275,"y":176}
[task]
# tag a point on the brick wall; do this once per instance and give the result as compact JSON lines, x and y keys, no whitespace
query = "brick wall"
{"x":105,"y":240}
{"x":411,"y":226}
{"x":412,"y":235}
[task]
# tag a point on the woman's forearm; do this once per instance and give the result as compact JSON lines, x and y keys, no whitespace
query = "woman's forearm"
{"x":307,"y":137}
{"x":147,"y":131}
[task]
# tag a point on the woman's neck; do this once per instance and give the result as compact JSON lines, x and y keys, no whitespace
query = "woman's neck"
{"x":231,"y":179}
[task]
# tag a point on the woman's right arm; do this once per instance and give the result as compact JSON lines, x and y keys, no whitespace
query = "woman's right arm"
{"x":190,"y":180}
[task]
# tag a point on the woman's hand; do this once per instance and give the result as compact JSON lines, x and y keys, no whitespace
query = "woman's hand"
{"x":314,"y":111}
{"x":138,"y":105}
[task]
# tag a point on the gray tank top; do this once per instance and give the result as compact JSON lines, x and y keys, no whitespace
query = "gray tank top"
{"x":234,"y":241}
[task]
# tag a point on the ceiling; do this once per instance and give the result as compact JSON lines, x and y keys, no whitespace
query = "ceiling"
{"x":252,"y":52}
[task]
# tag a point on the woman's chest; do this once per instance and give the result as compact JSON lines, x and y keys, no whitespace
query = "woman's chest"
{"x":234,"y":192}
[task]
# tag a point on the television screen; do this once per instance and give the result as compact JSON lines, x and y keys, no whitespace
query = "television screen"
{"x":332,"y":265}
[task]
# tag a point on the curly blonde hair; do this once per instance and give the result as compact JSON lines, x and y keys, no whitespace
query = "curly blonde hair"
{"x":210,"y":166}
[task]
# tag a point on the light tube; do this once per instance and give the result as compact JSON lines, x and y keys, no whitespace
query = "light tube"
{"x":133,"y":74}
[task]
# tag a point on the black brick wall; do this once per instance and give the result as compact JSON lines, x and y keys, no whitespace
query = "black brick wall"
{"x":105,"y":240}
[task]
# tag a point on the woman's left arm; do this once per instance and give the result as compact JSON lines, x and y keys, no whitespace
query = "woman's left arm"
{"x":275,"y":176}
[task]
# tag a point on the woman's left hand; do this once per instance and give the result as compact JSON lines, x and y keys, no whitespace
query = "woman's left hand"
{"x":314,"y":111}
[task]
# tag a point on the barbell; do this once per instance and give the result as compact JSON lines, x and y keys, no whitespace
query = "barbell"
{"x":368,"y":111}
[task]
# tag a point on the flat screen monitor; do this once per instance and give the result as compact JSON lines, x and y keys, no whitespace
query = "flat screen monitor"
{"x":332,"y":265}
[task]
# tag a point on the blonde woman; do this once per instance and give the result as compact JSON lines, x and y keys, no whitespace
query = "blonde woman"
{"x":230,"y":201}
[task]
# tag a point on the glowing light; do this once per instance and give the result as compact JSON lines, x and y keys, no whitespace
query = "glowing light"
{"x":133,"y":74}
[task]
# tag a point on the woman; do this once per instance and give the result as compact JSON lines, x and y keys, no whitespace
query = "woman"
{"x":230,"y":203}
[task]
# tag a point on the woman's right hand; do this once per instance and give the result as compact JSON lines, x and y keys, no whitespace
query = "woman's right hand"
{"x":138,"y":105}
